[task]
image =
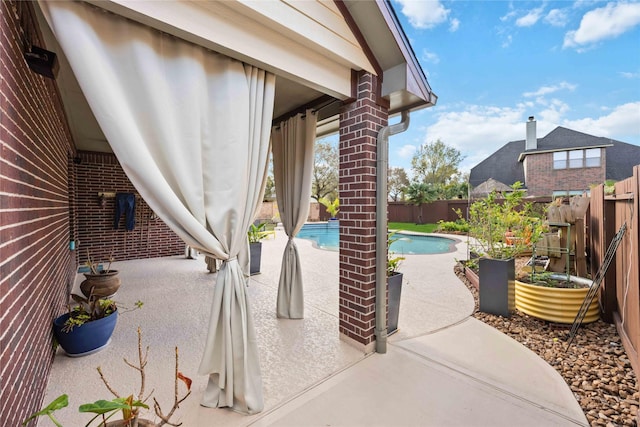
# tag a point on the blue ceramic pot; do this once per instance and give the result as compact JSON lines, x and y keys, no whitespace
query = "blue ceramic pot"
{"x":85,"y":339}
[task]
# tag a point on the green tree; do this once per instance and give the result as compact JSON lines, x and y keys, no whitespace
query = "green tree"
{"x":398,"y":181}
{"x":325,"y":171}
{"x":419,"y":193}
{"x":436,"y":163}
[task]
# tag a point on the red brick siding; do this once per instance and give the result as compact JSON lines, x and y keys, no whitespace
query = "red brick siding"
{"x":36,"y":266}
{"x":101,"y":172}
{"x":543,"y":180}
{"x":359,"y":125}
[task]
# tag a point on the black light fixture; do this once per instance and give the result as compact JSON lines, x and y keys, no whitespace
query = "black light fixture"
{"x":42,"y":61}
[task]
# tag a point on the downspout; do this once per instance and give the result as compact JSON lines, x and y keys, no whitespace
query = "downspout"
{"x":382,"y":169}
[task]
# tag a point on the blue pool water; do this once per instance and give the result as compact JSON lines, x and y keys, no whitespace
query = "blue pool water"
{"x":325,"y":236}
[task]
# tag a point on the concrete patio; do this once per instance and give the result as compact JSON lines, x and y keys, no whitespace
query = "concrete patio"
{"x":442,"y":367}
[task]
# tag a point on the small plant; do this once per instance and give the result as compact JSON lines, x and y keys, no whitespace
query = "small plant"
{"x":502,"y":230}
{"x":89,"y":309}
{"x":459,"y":226}
{"x":58,"y":403}
{"x":393,"y":262}
{"x":332,"y":208}
{"x":257,"y":233}
{"x":95,"y":267}
{"x":130,"y":406}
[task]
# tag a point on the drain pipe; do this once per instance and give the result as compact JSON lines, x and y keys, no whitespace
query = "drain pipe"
{"x":382,"y":169}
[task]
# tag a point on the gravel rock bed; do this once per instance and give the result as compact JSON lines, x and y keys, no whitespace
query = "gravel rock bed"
{"x":595,"y":366}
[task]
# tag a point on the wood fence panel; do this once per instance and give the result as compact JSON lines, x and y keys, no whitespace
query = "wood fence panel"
{"x":600,"y":234}
{"x":628,"y":265}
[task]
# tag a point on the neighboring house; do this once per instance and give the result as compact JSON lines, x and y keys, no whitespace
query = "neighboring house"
{"x":564,"y":162}
{"x":349,"y":60}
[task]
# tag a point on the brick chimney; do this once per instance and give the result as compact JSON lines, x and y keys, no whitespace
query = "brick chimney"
{"x":532,"y":139}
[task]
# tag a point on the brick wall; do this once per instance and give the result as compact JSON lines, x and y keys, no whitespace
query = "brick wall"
{"x":359,"y":125}
{"x":36,"y":266}
{"x":101,"y":173}
{"x":543,"y":180}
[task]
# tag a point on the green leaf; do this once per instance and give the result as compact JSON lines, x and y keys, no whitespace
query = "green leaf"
{"x":59,"y":402}
{"x":103,"y":406}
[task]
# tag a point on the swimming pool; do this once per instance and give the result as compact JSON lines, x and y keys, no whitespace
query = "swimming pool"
{"x":326,"y":236}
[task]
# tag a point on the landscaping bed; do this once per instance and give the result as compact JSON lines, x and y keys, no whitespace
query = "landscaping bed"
{"x":595,"y":366}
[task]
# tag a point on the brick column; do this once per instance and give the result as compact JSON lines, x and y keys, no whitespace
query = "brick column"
{"x":360,"y":122}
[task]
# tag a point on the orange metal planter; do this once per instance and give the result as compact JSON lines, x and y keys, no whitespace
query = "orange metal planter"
{"x":554,"y":304}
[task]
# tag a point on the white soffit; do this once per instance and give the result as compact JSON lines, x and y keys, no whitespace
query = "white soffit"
{"x":307,"y":42}
{"x":403,"y":82}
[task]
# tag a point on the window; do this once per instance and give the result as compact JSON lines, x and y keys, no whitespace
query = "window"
{"x":560,"y":160}
{"x":573,"y":159}
{"x":592,"y":157}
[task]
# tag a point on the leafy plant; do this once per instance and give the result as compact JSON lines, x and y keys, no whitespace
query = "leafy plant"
{"x":459,"y":226}
{"x":257,"y":233}
{"x":332,"y":208}
{"x":502,"y":230}
{"x":89,"y":309}
{"x":58,"y":403}
{"x":393,"y":262}
{"x":130,"y":406}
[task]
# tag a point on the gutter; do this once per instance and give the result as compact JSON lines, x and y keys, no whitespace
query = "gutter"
{"x":382,"y":170}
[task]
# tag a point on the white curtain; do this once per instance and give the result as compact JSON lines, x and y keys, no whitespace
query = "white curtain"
{"x":293,"y":145}
{"x":191,"y":129}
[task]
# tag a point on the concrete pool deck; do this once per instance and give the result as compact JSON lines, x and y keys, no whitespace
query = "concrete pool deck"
{"x":442,"y":366}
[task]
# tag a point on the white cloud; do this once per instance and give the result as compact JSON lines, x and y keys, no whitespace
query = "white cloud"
{"x":556,"y":18}
{"x":554,"y":111}
{"x":430,"y":57}
{"x":604,"y":23}
{"x":621,"y":123}
{"x":454,"y":24}
{"x":509,"y":15}
{"x":477,"y":131}
{"x":406,"y":151}
{"x":628,"y":75}
{"x":424,"y":14}
{"x":545,"y":90}
{"x":507,"y":41}
{"x":530,"y":18}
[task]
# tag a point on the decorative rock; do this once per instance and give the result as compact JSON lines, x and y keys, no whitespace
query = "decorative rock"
{"x":595,"y":366}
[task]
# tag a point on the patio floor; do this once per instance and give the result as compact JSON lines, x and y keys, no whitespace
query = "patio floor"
{"x":442,"y":366}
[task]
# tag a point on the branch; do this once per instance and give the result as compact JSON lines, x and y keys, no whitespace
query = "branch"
{"x":106,"y":383}
{"x":176,"y":401}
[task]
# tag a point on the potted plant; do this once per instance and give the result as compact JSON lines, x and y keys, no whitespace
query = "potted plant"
{"x":256,"y":233}
{"x":129,"y":406}
{"x":499,"y":231}
{"x":100,"y":282}
{"x":86,"y":327}
{"x":394,"y":283}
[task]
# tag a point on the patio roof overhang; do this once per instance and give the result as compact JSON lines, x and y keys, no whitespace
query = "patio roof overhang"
{"x":312,"y":47}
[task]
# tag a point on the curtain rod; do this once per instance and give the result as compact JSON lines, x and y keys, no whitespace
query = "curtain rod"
{"x":320,"y":106}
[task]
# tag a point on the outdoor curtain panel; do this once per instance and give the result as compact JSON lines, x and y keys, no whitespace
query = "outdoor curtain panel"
{"x":293,"y":142}
{"x":191,"y":129}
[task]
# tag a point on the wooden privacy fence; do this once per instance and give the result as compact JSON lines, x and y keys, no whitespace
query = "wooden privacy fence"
{"x":620,"y":291}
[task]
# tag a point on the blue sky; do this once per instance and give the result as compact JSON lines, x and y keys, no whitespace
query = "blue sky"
{"x":495,"y":63}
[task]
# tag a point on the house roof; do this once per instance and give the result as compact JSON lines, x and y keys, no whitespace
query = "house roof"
{"x":562,"y":138}
{"x":488,"y":187}
{"x":505,"y":165}
{"x":502,"y":166}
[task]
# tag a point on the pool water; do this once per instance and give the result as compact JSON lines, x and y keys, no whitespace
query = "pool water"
{"x":326,"y":236}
